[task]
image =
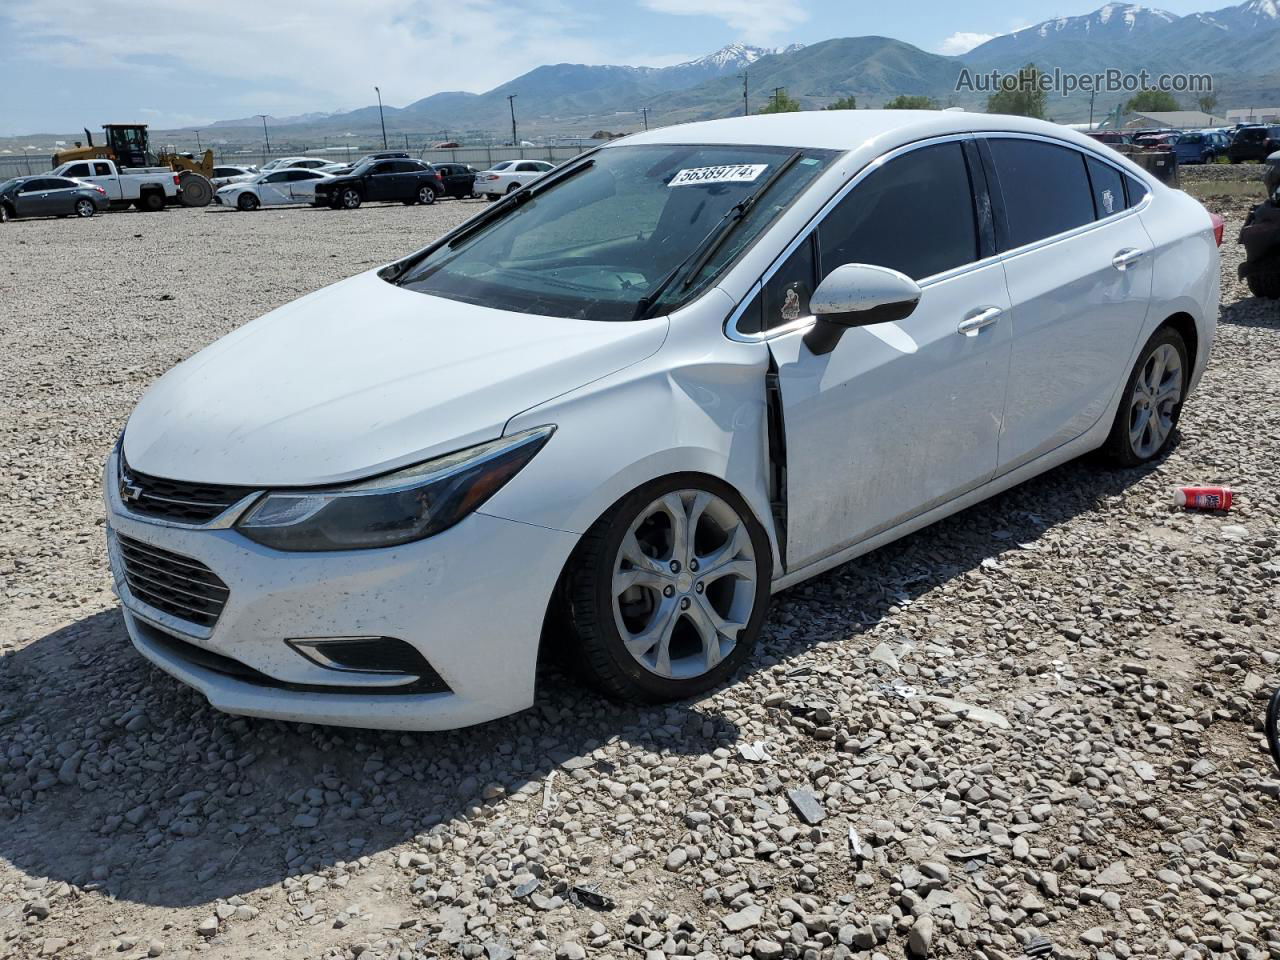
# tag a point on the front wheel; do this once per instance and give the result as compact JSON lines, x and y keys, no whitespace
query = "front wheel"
{"x":5,"y":213}
{"x":426,"y":196}
{"x":350,"y":198}
{"x":1152,"y":401}
{"x":667,"y":593}
{"x":247,"y":201}
{"x":85,"y":209}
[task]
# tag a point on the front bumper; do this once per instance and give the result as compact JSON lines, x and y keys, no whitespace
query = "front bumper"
{"x":471,"y":600}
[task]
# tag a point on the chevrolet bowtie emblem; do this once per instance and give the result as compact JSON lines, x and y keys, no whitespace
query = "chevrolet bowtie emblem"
{"x":129,"y":492}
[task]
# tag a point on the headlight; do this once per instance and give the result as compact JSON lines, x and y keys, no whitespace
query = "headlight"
{"x":399,"y":507}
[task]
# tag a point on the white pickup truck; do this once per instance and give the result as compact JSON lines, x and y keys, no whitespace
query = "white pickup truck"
{"x":147,"y":188}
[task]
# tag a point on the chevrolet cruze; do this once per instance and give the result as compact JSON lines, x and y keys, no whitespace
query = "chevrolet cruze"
{"x":617,"y":410}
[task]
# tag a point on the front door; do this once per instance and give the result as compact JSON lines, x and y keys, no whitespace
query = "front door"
{"x":899,"y":417}
{"x":381,"y":182}
{"x":33,"y":199}
{"x":1079,"y":271}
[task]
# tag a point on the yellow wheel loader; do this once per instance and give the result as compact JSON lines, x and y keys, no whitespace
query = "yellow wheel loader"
{"x":129,"y":146}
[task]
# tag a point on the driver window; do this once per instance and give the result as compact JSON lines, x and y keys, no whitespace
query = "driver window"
{"x":915,"y":215}
{"x":79,"y":170}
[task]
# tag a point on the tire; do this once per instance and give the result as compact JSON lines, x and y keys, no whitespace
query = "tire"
{"x":627,"y":577}
{"x":513,"y":188}
{"x":5,"y":213}
{"x":350,"y":198}
{"x":196,"y":190}
{"x":473,"y":196}
{"x":1265,"y":283}
{"x":247,"y":202}
{"x":491,"y":197}
{"x":1153,"y":388}
{"x":85,"y":209}
{"x":151,"y":202}
{"x":426,"y":196}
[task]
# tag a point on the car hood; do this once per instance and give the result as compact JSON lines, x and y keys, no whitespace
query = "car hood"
{"x":363,"y":377}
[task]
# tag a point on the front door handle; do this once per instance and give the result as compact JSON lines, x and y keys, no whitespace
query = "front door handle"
{"x":985,"y":317}
{"x":1126,"y":258}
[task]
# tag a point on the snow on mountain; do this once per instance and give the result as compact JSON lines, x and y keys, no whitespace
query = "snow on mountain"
{"x":734,"y":56}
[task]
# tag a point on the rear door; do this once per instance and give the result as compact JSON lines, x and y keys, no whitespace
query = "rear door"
{"x":302,"y":185}
{"x":274,"y":188}
{"x":900,"y":417}
{"x":1079,"y":268}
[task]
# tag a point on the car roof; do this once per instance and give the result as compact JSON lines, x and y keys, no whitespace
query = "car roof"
{"x":847,"y":129}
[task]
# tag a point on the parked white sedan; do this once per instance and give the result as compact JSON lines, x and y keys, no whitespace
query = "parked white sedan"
{"x":274,"y":188}
{"x":509,"y":175}
{"x":620,"y":409}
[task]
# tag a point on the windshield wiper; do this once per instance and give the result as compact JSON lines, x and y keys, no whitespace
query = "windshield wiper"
{"x":495,"y":212}
{"x":708,"y":246}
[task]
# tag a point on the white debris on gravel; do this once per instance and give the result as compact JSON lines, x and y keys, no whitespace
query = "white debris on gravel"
{"x":830,"y":804}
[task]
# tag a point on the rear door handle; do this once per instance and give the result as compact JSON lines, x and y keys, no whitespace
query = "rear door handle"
{"x":1126,"y":258}
{"x":985,"y":317}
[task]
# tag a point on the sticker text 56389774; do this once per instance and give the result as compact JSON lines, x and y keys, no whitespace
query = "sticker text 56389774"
{"x":725,"y":173}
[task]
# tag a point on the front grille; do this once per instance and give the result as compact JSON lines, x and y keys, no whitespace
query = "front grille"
{"x":176,"y":500}
{"x":179,"y":586}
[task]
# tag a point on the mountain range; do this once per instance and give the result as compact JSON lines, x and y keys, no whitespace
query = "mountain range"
{"x":1238,"y":45}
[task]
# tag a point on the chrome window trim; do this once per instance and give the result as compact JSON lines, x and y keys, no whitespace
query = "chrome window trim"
{"x":731,"y":323}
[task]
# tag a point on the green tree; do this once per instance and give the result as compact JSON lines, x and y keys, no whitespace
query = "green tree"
{"x":844,"y":103}
{"x":1151,"y":101}
{"x":1025,"y":98}
{"x":781,"y":103}
{"x":904,"y":102}
{"x":1208,"y":102}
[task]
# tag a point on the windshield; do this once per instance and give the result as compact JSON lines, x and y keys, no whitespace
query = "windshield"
{"x":594,"y":245}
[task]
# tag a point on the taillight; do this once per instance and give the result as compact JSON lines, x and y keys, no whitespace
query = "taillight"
{"x":440,"y":176}
{"x":176,"y":181}
{"x":1218,"y":225}
{"x":101,"y":191}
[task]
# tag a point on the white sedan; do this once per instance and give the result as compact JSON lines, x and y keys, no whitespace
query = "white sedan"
{"x":302,"y":163}
{"x":232,"y":174}
{"x":509,"y":175}
{"x":274,"y":188}
{"x":700,"y":365}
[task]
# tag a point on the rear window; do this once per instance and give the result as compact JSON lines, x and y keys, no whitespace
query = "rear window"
{"x":1045,"y":188}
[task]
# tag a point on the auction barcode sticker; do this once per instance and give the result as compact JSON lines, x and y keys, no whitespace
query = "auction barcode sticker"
{"x":725,"y":173}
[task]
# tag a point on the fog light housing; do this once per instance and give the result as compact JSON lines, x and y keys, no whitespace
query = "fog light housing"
{"x":392,"y":659}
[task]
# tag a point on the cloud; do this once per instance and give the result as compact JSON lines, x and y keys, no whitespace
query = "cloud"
{"x":962,"y":42}
{"x":757,"y":21}
{"x":300,"y":56}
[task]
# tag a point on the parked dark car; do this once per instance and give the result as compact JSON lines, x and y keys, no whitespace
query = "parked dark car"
{"x":1251,"y":144}
{"x":50,"y":197}
{"x":1111,"y":138}
{"x":408,"y":181}
{"x":459,"y":179}
{"x":1200,"y":146}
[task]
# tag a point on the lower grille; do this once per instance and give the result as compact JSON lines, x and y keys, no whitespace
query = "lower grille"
{"x":179,"y":586}
{"x":177,"y":500}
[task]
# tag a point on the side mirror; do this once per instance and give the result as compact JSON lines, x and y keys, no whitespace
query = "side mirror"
{"x":856,"y":295}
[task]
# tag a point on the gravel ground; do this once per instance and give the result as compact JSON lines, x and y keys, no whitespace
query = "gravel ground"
{"x":1031,"y":729}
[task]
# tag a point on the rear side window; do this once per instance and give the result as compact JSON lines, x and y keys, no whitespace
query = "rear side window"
{"x":101,"y":170}
{"x":1108,"y":188}
{"x":915,"y":215}
{"x":1136,"y":189}
{"x":1045,"y":189}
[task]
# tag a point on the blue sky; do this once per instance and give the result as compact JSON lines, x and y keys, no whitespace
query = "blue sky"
{"x":79,"y":63}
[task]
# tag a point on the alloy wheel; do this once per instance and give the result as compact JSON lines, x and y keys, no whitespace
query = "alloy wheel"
{"x":426,"y":195}
{"x":84,"y":208}
{"x":1156,"y":394}
{"x":684,"y":584}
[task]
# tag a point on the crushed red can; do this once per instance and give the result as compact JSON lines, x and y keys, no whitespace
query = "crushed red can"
{"x":1203,"y":498}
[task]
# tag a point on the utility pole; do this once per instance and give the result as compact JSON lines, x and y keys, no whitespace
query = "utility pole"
{"x":777,"y":95}
{"x":265,"y":136}
{"x":198,"y":149}
{"x":1092,"y":94}
{"x":645,"y":113}
{"x":746,"y":106}
{"x":406,"y":143}
{"x":381,"y":118}
{"x":511,"y":102}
